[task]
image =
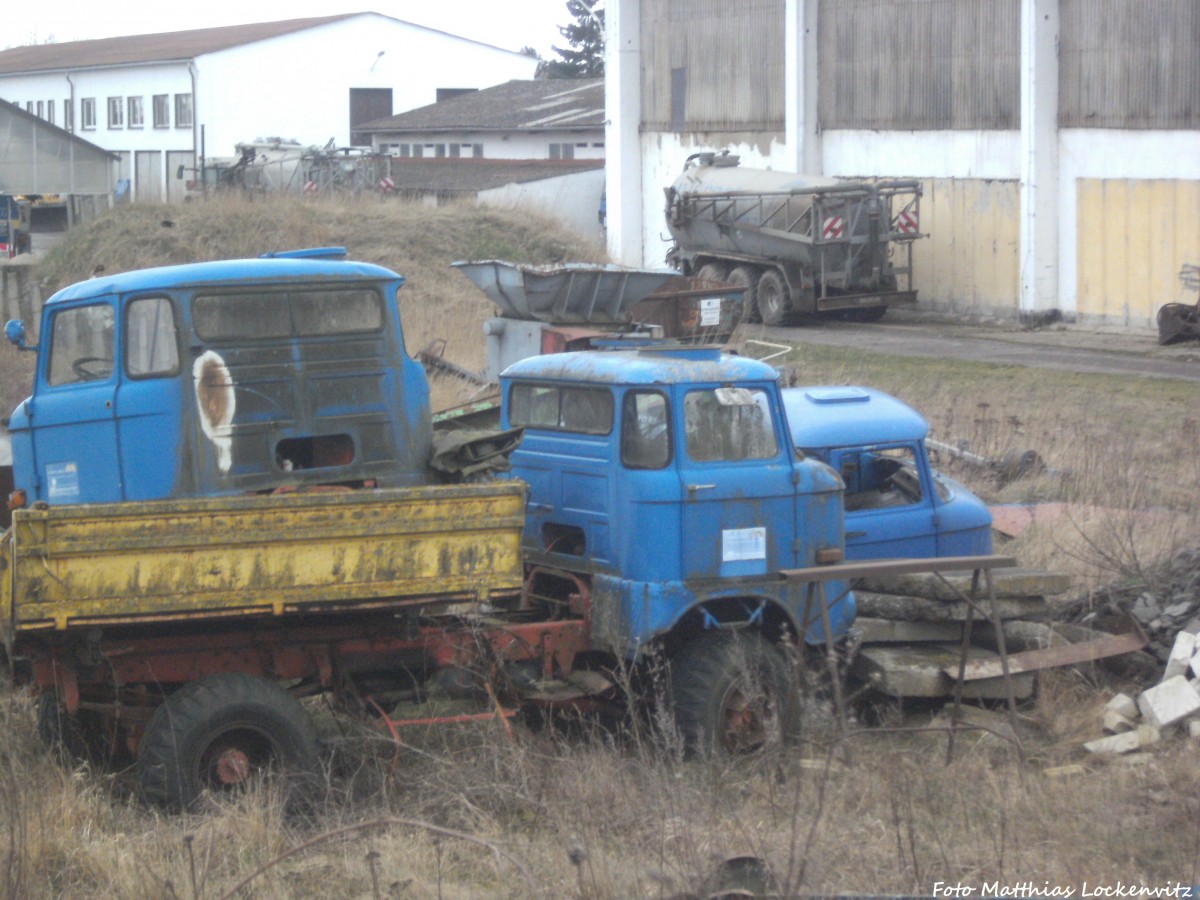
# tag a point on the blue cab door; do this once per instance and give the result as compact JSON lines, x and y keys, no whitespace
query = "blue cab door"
{"x":73,"y":421}
{"x":738,"y":492}
{"x":890,"y":511}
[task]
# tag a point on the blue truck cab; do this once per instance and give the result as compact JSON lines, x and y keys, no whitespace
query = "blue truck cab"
{"x":896,"y":504}
{"x":664,"y":480}
{"x":221,"y":378}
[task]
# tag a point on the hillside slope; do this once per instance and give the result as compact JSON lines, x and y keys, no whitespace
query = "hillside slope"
{"x":417,"y":241}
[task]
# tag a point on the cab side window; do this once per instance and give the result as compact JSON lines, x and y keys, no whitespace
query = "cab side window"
{"x":151,"y":341}
{"x":729,"y":425}
{"x":645,"y":430}
{"x":81,"y":345}
{"x":877,"y":479}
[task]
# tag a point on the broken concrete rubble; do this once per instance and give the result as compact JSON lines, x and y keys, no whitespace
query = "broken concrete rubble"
{"x":1142,"y":736}
{"x":1015,"y":583}
{"x":1169,"y":702}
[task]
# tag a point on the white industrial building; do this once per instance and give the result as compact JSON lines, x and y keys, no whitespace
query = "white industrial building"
{"x":162,"y":101}
{"x":558,"y":118}
{"x":1056,"y":140}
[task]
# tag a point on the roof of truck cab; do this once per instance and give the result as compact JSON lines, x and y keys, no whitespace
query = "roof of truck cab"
{"x":646,"y":366}
{"x":849,"y":417}
{"x":240,"y":272}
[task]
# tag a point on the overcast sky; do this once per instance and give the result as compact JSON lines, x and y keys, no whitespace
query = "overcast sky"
{"x":511,"y":24}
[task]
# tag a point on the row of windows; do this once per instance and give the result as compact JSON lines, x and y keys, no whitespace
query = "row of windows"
{"x":720,"y":424}
{"x":123,"y":112}
{"x":454,"y":151}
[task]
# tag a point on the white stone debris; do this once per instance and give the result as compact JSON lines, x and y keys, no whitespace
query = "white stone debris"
{"x":1182,"y":654}
{"x":1142,"y":736}
{"x":1170,"y":702}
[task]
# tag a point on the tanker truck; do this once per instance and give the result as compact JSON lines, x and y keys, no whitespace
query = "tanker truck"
{"x":799,"y":245}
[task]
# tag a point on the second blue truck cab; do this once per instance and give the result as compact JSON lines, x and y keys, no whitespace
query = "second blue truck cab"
{"x":664,"y":479}
{"x":896,"y":504}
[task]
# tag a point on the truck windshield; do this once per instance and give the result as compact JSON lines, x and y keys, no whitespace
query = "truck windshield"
{"x":729,"y":424}
{"x":81,"y":345}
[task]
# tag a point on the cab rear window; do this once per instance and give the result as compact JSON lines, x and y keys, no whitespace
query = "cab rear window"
{"x":285,"y":314}
{"x":561,"y":408}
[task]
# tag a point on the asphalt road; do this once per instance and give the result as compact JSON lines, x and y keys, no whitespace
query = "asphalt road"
{"x":1063,"y":347}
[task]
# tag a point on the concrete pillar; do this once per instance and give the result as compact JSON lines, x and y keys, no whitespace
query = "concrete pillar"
{"x":1039,"y":160}
{"x":802,"y":129}
{"x":622,"y":142}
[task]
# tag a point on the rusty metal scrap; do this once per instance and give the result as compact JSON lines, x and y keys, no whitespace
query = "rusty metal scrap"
{"x":1052,"y":657}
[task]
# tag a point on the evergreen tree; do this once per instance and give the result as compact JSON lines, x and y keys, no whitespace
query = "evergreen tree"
{"x":584,"y":58}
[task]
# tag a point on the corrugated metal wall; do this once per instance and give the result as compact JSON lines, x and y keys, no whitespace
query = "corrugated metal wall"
{"x":970,"y":261}
{"x":1129,"y":64}
{"x":1133,"y":236}
{"x":710,"y":65}
{"x":920,"y":64}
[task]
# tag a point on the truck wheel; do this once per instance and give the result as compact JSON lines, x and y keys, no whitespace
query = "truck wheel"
{"x":730,"y":691}
{"x":746,"y":277}
{"x":771,"y":298}
{"x":713,"y":272}
{"x":218,"y":733}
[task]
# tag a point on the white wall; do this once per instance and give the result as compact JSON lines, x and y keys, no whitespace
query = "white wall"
{"x":573,"y":200}
{"x":298,"y":86}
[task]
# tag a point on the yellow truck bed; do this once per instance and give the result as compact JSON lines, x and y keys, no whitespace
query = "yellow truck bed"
{"x":170,"y":560}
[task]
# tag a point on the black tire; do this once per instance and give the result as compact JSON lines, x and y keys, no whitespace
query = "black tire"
{"x":746,"y":277}
{"x":771,"y":298}
{"x":730,"y":693}
{"x":220,"y":732}
{"x":713,"y":272}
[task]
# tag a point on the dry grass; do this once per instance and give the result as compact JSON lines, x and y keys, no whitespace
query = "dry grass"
{"x":467,"y":812}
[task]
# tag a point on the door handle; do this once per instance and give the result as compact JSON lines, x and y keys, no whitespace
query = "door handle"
{"x":692,"y":488}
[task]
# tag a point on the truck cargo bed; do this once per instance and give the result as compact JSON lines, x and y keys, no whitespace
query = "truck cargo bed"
{"x":87,"y":565}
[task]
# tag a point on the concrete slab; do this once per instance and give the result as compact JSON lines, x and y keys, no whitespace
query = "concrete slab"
{"x":1182,"y":651}
{"x":1115,"y":723}
{"x":1123,"y":705}
{"x":922,"y":609}
{"x":1010,"y":583}
{"x":915,"y":671}
{"x":889,"y":631}
{"x":1170,"y":702}
{"x":1142,"y":736}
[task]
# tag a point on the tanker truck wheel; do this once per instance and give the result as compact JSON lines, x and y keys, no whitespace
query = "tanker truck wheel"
{"x":713,"y":272}
{"x":771,"y":298}
{"x":730,"y":692}
{"x":221,"y":733}
{"x":746,"y":277}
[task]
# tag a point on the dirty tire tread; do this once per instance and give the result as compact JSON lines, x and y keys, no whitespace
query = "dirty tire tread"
{"x":700,"y":674}
{"x":774,"y":312}
{"x":746,"y":277}
{"x":188,"y":719}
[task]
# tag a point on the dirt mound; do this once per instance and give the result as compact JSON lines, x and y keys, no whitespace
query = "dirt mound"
{"x":417,"y":241}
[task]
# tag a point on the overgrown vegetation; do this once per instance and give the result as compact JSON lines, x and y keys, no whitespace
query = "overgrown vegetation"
{"x":581,"y":811}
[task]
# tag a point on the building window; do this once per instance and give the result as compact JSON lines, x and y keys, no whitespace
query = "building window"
{"x":87,"y":113}
{"x":29,"y":106}
{"x":477,"y":151}
{"x":41,"y":110}
{"x":183,"y":110}
{"x":562,"y":151}
{"x":116,"y":112}
{"x":162,"y":110}
{"x":403,"y":150}
{"x":136,"y":116}
{"x":418,"y":150}
{"x":455,"y":151}
{"x":50,"y":111}
{"x":68,"y":115}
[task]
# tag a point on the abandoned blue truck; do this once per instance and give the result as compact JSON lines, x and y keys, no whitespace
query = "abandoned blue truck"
{"x":224,"y":503}
{"x":897,"y":505}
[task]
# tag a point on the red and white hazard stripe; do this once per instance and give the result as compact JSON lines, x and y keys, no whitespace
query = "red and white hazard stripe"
{"x":386,"y":185}
{"x":310,"y":187}
{"x":906,"y":223}
{"x":834,"y":227}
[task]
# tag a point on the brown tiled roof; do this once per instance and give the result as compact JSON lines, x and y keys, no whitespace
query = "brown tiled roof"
{"x":551,"y":104}
{"x":457,"y":176}
{"x":143,"y":48}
